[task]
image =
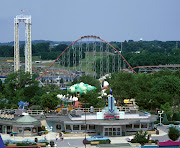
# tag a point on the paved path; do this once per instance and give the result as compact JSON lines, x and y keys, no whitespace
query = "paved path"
{"x":74,"y":142}
{"x":163,"y":136}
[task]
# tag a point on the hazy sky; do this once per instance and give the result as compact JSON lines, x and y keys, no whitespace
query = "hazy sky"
{"x":112,"y":20}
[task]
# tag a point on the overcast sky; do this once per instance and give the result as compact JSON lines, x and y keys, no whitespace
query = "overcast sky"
{"x":112,"y":20}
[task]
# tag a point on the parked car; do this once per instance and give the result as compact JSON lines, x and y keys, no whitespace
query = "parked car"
{"x":159,"y":124}
{"x":130,"y":138}
{"x":177,"y":122}
{"x":98,"y":138}
{"x":178,"y":127}
{"x":170,"y":125}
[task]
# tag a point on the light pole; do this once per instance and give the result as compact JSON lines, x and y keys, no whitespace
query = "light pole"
{"x":49,"y":130}
{"x":160,"y":113}
{"x":85,"y":122}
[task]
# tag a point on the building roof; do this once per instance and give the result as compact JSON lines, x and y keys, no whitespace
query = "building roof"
{"x":169,"y":143}
{"x":27,"y":119}
{"x":67,"y":120}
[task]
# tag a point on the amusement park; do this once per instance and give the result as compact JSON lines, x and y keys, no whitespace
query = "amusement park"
{"x":88,"y":92}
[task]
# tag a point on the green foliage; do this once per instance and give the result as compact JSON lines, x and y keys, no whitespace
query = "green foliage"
{"x":19,"y":79}
{"x":43,"y":128}
{"x":87,"y":79}
{"x":35,"y":75}
{"x":169,"y":116}
{"x":3,"y":101}
{"x":49,"y":100}
{"x":75,"y":81}
{"x":176,"y":116}
{"x":102,"y":142}
{"x":173,"y":133}
{"x":121,"y":84}
{"x":93,"y":100}
{"x":142,"y":137}
{"x":165,"y":120}
{"x":6,"y":51}
{"x":61,"y":81}
{"x":22,"y":144}
{"x":166,"y":107}
{"x":60,"y":47}
{"x":40,"y":47}
{"x":1,"y":86}
{"x":151,"y":91}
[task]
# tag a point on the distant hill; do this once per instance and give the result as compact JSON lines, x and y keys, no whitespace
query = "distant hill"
{"x":37,"y":41}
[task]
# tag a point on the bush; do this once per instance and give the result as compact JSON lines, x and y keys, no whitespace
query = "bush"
{"x":156,"y":141}
{"x":107,"y":141}
{"x":102,"y":142}
{"x":133,"y":141}
{"x":43,"y":128}
{"x":152,"y":141}
{"x":176,"y":116}
{"x":169,"y":116}
{"x":173,"y":122}
{"x":156,"y":122}
{"x":173,"y":133}
{"x":22,"y":144}
{"x":142,"y":137}
{"x":165,"y":120}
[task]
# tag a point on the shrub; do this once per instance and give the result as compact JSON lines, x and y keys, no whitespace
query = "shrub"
{"x":173,"y":133}
{"x":156,"y":141}
{"x":176,"y":116}
{"x":173,"y":122}
{"x":165,"y":120}
{"x":102,"y":142}
{"x":133,"y":141}
{"x":108,"y":141}
{"x":152,"y":141}
{"x":22,"y":144}
{"x":142,"y":137}
{"x":43,"y":128}
{"x":169,"y":116}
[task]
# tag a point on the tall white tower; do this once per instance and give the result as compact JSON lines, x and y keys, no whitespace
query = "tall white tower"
{"x":28,"y":49}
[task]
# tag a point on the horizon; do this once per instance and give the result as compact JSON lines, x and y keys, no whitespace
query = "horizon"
{"x":96,"y":41}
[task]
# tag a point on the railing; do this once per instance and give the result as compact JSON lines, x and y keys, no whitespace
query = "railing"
{"x":126,"y":109}
{"x":34,"y":146}
{"x":35,"y":112}
{"x":88,"y":109}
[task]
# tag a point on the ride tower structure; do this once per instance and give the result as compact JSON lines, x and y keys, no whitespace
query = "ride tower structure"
{"x":28,"y":47}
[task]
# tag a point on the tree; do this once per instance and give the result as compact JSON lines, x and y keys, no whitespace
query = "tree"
{"x":122,"y":85}
{"x":49,"y":100}
{"x":173,"y":133}
{"x":19,"y":86}
{"x":176,"y":116}
{"x":1,"y":86}
{"x":30,"y":92}
{"x":165,"y":120}
{"x":19,"y":79}
{"x":142,"y":137}
{"x":61,"y":81}
{"x":3,"y":101}
{"x":87,"y":79}
{"x":75,"y":81}
{"x":166,"y":107}
{"x":93,"y":100}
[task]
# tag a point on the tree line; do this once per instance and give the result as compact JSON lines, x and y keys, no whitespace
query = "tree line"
{"x":151,"y":91}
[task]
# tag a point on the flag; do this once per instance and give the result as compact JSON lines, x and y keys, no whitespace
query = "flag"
{"x":22,"y":10}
